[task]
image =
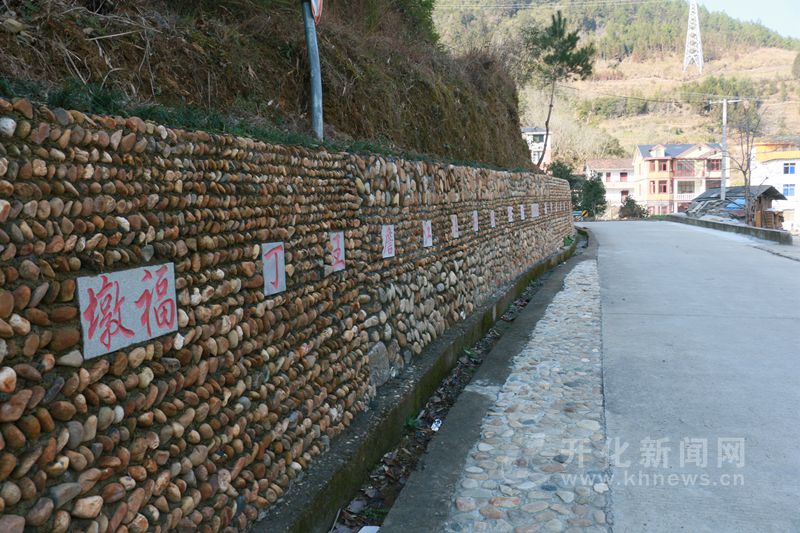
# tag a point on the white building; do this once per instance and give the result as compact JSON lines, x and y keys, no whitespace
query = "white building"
{"x":617,"y":177}
{"x":535,"y":137}
{"x":776,"y":162}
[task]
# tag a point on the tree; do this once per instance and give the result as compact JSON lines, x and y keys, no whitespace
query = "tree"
{"x":745,"y":120}
{"x":563,"y":170}
{"x":555,"y":57}
{"x":593,"y":196}
{"x":796,"y":67}
{"x":631,"y":209}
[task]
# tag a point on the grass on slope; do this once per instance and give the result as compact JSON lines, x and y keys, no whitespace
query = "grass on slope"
{"x":386,"y":82}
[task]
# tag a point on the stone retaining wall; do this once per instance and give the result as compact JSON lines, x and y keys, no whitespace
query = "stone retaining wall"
{"x":204,"y":428}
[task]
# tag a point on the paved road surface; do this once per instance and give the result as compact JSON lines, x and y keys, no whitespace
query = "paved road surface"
{"x":701,"y":340}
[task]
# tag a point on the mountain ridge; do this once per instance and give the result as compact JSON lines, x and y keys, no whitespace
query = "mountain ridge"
{"x":639,"y":92}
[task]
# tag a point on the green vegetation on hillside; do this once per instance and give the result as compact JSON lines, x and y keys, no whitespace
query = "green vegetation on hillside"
{"x":618,"y":31}
{"x":638,"y":92}
{"x":612,"y":107}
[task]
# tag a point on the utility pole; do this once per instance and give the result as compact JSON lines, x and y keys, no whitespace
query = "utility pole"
{"x":313,"y":60}
{"x":724,"y":173}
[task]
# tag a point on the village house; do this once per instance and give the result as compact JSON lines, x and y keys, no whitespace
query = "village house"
{"x":776,"y":162}
{"x":762,"y":199}
{"x":670,"y":176}
{"x":535,"y":137}
{"x":617,"y":177}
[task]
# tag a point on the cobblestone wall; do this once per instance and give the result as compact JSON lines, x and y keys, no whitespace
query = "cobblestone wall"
{"x":204,"y":427}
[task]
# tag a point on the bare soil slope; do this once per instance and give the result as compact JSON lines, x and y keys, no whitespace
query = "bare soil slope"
{"x":384,"y":80}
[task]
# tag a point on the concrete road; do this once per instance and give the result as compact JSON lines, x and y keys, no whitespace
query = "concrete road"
{"x":701,"y":341}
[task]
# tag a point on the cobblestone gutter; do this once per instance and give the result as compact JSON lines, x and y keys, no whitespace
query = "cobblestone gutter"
{"x":540,"y":463}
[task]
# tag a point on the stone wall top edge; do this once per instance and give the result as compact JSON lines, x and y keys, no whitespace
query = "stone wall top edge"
{"x":30,"y":111}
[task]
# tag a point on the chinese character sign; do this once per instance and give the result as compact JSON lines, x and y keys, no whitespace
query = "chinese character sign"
{"x":546,"y":208}
{"x":535,"y":210}
{"x":124,"y":308}
{"x":510,"y":214}
{"x":427,"y":234}
{"x":492,"y":219}
{"x":522,"y":211}
{"x":387,"y":232}
{"x":475,"y":221}
{"x":274,"y":267}
{"x":454,"y":223}
{"x":337,"y":250}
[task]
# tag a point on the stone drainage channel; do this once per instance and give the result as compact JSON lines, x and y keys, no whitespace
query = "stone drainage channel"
{"x":513,"y":479}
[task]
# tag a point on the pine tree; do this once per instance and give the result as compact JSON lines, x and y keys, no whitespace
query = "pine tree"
{"x":555,"y":57}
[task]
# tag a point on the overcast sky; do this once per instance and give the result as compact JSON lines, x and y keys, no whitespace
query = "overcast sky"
{"x":782,"y":16}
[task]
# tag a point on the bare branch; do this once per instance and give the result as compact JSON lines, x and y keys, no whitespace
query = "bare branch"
{"x":112,"y":36}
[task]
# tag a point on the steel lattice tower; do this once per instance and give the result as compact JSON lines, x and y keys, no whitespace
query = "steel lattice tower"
{"x":694,"y":44}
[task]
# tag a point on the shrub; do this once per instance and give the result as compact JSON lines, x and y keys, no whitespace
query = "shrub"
{"x":631,"y":209}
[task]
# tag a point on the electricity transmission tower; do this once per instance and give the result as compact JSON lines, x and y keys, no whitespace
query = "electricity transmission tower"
{"x":694,"y":45}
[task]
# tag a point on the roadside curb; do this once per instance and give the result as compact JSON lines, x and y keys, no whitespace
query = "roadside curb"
{"x":314,"y":502}
{"x":779,"y":236}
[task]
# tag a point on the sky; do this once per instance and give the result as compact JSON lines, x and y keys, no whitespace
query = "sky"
{"x":782,"y":16}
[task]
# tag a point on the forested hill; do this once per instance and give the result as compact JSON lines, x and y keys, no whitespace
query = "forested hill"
{"x":639,"y":30}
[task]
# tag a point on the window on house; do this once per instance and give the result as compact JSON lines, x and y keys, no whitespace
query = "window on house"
{"x":652,"y":166}
{"x":662,"y":186}
{"x":685,"y":187}
{"x":788,"y":168}
{"x":623,"y":176}
{"x":652,"y":187}
{"x":788,"y":189}
{"x":663,"y":166}
{"x":714,"y":165}
{"x":684,"y":168}
{"x":608,"y":176}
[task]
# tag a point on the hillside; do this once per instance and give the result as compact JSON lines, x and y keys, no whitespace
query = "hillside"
{"x":240,"y":66}
{"x":639,"y":92}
